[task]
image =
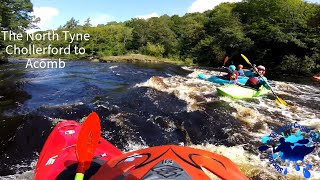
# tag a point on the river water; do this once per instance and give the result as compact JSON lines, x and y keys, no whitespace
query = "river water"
{"x":142,"y":105}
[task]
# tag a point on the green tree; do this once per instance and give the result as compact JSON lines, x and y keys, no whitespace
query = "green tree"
{"x":227,"y":31}
{"x":15,"y":15}
{"x":140,"y":33}
{"x":87,"y":23}
{"x":71,"y":24}
{"x":222,"y":34}
{"x":208,"y":52}
{"x":153,"y":49}
{"x":160,"y":33}
{"x":279,"y":29}
{"x":189,"y":31}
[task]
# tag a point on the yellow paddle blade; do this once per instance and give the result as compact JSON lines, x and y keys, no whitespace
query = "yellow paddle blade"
{"x":245,"y":58}
{"x":280,"y":101}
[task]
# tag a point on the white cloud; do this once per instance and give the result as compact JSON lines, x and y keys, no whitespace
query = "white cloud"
{"x":204,"y":5}
{"x":46,"y":15}
{"x":147,"y":16}
{"x":99,"y":19}
{"x":313,"y":1}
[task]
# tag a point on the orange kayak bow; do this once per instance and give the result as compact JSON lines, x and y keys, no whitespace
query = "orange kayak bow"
{"x":169,"y":162}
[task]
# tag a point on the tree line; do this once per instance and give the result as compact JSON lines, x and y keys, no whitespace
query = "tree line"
{"x":280,"y":34}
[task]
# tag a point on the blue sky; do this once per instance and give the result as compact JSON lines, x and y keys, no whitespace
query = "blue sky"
{"x":56,"y":12}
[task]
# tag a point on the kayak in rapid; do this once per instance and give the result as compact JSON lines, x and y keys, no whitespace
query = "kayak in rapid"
{"x":58,"y":158}
{"x":218,"y":80}
{"x":316,"y":77}
{"x":239,"y":92}
{"x":169,"y":162}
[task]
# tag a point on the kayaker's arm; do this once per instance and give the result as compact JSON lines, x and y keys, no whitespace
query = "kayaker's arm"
{"x":265,"y":83}
{"x":227,"y":69}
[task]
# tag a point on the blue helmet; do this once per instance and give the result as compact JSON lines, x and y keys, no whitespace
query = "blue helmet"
{"x":232,"y":67}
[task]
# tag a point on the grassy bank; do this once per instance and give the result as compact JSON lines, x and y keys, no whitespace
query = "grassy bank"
{"x":122,"y":58}
{"x":144,"y":58}
{"x":3,"y":58}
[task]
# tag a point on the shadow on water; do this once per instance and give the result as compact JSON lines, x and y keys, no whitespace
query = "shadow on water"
{"x":155,"y":118}
{"x":169,"y":69}
{"x":275,"y":75}
{"x":12,"y":96}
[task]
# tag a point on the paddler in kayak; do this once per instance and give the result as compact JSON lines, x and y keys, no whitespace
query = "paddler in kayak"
{"x":240,"y":70}
{"x":232,"y":73}
{"x":251,"y":72}
{"x":255,"y":81}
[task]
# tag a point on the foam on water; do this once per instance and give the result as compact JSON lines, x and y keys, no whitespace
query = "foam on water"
{"x":259,"y":115}
{"x":21,"y":174}
{"x":190,"y":90}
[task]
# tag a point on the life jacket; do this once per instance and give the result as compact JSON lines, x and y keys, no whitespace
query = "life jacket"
{"x":241,"y":72}
{"x":253,"y":82}
{"x":233,"y":75}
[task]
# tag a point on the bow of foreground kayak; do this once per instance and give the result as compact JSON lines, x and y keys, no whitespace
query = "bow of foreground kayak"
{"x":218,"y":80}
{"x":58,"y":158}
{"x":239,"y":92}
{"x":169,"y":162}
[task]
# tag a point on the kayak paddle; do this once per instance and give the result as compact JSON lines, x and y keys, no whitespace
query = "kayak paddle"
{"x":278,"y":99}
{"x":87,"y":143}
{"x":224,"y":62}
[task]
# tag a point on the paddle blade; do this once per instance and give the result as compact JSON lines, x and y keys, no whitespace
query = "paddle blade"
{"x":246,"y":59}
{"x":87,"y":141}
{"x":225,"y":60}
{"x":280,"y":101}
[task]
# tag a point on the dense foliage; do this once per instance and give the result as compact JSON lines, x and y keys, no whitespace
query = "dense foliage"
{"x":15,"y":15}
{"x":281,"y":34}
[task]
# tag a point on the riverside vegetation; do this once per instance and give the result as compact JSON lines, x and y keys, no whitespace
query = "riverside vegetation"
{"x":281,"y":34}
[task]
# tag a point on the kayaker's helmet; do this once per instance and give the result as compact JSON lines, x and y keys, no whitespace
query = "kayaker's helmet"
{"x":240,"y":66}
{"x":232,"y":67}
{"x":261,"y":69}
